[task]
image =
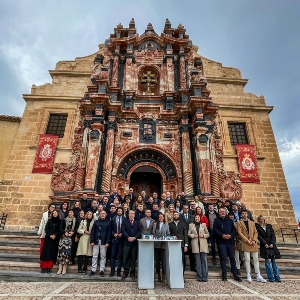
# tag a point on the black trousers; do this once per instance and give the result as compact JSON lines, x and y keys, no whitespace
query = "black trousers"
{"x":227,"y":250}
{"x":116,"y":250}
{"x":159,"y":255}
{"x":83,"y":260}
{"x":129,"y":258}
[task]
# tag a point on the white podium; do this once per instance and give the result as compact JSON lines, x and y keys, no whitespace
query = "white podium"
{"x":145,"y":264}
{"x":174,"y":268}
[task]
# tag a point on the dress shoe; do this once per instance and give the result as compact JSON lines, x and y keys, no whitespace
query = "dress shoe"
{"x":123,"y":277}
{"x":132,"y":276}
{"x":48,"y":271}
{"x":224,"y":278}
{"x":111,"y":274}
{"x":101,"y":274}
{"x":43,"y":270}
{"x":118,"y":274}
{"x":237,"y":278}
{"x":92,"y":273}
{"x":204,"y":280}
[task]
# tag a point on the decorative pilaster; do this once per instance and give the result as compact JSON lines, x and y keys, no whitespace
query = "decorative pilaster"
{"x":182,"y":72}
{"x":108,"y":158}
{"x":115,"y":71}
{"x":186,"y":158}
{"x":94,"y":149}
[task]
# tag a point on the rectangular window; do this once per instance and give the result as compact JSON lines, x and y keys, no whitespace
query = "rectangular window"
{"x":57,"y":124}
{"x":237,"y":133}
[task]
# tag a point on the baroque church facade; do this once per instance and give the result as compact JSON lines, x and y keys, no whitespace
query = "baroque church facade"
{"x":148,"y":112}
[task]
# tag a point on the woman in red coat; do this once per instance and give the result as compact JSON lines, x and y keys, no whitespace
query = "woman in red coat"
{"x":203,"y":218}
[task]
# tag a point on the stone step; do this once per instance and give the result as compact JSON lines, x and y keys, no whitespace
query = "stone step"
{"x":20,"y":244}
{"x":16,"y":250}
{"x":19,"y":233}
{"x":19,"y":238}
{"x":21,"y":257}
{"x":31,"y":276}
{"x":35,"y":267}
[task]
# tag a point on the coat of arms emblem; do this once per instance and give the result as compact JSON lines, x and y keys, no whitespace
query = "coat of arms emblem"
{"x":247,"y":163}
{"x":45,"y":152}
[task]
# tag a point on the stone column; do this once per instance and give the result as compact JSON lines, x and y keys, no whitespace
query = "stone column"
{"x":203,"y":159}
{"x":186,"y":159}
{"x":170,"y":74}
{"x":115,"y":71}
{"x":182,"y":72}
{"x":109,"y":151}
{"x":94,"y":148}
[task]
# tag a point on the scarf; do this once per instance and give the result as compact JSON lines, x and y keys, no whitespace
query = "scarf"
{"x":70,"y":224}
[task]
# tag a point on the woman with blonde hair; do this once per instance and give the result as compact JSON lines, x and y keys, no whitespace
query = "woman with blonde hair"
{"x":169,"y":214}
{"x":268,"y":249}
{"x":199,"y":234}
{"x":84,"y":250}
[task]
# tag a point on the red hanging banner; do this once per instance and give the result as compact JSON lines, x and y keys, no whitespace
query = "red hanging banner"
{"x":45,"y":153}
{"x":247,"y":163}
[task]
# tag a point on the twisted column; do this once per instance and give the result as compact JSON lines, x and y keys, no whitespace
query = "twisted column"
{"x":93,"y":155}
{"x":186,"y":160}
{"x":108,"y":158}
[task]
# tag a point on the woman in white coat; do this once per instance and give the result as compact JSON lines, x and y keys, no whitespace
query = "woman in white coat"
{"x":41,"y":232}
{"x":199,"y":234}
{"x":84,"y":250}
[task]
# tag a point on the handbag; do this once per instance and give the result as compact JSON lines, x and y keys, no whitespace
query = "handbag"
{"x":270,"y":252}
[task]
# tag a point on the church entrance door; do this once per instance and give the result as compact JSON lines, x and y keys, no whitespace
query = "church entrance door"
{"x":146,"y":179}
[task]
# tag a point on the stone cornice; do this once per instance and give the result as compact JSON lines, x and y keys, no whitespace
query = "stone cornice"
{"x":69,"y":73}
{"x":28,"y":97}
{"x":245,"y":107}
{"x":10,"y":118}
{"x":237,"y":81}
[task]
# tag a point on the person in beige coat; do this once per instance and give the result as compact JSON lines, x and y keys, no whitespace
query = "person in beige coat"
{"x":248,"y":235}
{"x":199,"y":234}
{"x":85,"y":250}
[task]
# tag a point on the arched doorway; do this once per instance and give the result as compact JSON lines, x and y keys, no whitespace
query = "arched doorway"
{"x":146,"y":178}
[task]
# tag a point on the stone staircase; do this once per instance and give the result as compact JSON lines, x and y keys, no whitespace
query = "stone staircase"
{"x":19,"y":261}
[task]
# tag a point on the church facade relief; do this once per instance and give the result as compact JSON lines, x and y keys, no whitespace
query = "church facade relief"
{"x":148,"y":105}
{"x":145,"y":111}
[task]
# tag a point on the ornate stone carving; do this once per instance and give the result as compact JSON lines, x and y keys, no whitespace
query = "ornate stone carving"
{"x":230,"y":185}
{"x":184,"y":128}
{"x":114,"y":77}
{"x":112,"y":125}
{"x":63,"y":177}
{"x":94,"y":134}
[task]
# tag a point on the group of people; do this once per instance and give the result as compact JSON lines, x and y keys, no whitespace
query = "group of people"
{"x":110,"y":225}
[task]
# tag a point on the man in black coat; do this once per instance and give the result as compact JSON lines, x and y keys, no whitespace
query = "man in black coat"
{"x":225,"y":232}
{"x":178,"y":229}
{"x":187,"y":219}
{"x":116,"y":242}
{"x":100,"y":239}
{"x":131,"y":231}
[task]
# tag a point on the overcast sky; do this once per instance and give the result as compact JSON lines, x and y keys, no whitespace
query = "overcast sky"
{"x":261,"y":38}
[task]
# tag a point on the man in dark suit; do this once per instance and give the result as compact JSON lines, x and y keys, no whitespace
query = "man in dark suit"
{"x":187,"y":219}
{"x":178,"y":229}
{"x":131,"y":196}
{"x":131,"y":231}
{"x":169,"y":200}
{"x":114,"y":195}
{"x":116,"y":242}
{"x":225,"y":232}
{"x":100,"y":239}
{"x":155,"y":212}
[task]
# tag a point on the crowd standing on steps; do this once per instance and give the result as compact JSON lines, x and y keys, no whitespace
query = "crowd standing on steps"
{"x":108,"y":226}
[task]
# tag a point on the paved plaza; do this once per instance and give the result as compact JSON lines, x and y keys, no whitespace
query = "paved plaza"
{"x":213,"y":290}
